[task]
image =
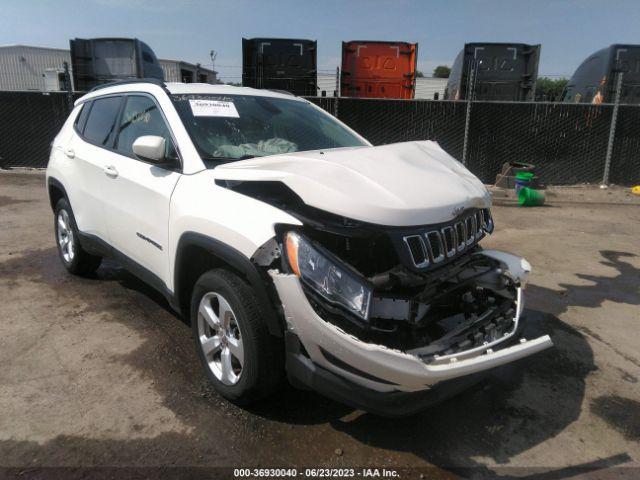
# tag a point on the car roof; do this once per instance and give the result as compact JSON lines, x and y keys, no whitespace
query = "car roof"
{"x":183,"y":89}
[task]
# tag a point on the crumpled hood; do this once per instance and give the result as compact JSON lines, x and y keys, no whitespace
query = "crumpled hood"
{"x":401,"y":184}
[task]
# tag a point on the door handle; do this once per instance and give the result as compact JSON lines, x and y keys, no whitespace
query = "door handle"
{"x":69,"y":152}
{"x":110,"y":171}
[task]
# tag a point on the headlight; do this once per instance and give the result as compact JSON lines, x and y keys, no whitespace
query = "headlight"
{"x":332,"y":281}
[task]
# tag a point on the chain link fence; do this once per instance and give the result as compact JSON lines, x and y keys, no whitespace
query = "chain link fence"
{"x":28,"y":123}
{"x":625,"y":161}
{"x":567,"y":143}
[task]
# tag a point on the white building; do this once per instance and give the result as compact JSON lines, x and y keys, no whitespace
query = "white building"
{"x":32,"y":68}
{"x":179,"y":71}
{"x":327,"y":83}
{"x":426,"y":87}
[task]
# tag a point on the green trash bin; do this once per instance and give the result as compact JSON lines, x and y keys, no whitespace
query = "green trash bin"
{"x":528,"y":197}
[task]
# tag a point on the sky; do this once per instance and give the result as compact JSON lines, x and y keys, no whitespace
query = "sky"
{"x":188,"y":30}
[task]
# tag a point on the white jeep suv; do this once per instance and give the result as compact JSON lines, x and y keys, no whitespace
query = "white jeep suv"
{"x":290,"y":242}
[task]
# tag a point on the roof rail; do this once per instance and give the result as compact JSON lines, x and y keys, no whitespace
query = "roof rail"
{"x":155,"y":81}
{"x":284,"y":92}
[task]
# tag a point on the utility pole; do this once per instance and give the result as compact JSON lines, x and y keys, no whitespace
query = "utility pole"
{"x":68,"y":85}
{"x":612,"y":132}
{"x":212,"y":55}
{"x":337,"y":93}
{"x":467,"y":120}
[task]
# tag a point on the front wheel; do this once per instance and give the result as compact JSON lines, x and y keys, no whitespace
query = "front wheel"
{"x":241,"y":358}
{"x":74,"y":258}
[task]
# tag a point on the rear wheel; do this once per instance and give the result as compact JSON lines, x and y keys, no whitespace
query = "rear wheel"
{"x":75,"y":259}
{"x":241,"y":358}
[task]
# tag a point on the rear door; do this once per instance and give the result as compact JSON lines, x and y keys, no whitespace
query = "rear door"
{"x":137,"y":207}
{"x":90,"y":149}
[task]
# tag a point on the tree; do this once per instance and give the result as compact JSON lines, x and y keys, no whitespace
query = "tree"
{"x":442,"y":71}
{"x":550,"y":90}
{"x":419,"y":74}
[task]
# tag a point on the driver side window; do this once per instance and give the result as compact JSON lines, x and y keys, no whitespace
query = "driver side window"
{"x":141,"y":116}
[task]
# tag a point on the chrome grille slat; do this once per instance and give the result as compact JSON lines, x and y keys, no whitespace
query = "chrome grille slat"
{"x":449,"y":243}
{"x":434,"y":237}
{"x":488,"y":220}
{"x":461,"y":234}
{"x":436,"y":246}
{"x":469,"y":223}
{"x":479,"y":216}
{"x":421,"y":260}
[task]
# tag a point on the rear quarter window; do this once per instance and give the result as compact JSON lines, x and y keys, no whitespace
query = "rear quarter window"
{"x":81,"y":119}
{"x":102,"y":119}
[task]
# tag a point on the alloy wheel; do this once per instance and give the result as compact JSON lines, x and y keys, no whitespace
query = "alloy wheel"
{"x":66,"y":240}
{"x":220,"y":338}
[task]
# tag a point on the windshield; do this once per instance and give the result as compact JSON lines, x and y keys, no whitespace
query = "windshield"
{"x":234,"y":127}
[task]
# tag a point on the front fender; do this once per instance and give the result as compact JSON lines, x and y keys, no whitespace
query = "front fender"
{"x":238,"y":262}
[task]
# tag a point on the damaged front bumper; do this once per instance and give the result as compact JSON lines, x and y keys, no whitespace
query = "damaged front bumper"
{"x":377,"y":378}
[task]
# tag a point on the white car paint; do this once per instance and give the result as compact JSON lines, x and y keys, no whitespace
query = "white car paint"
{"x":81,"y":165}
{"x":402,"y":184}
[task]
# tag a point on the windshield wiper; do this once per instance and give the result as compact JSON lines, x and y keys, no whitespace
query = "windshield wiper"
{"x":211,"y":158}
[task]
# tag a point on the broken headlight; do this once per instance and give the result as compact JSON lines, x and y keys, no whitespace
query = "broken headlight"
{"x":330,"y":279}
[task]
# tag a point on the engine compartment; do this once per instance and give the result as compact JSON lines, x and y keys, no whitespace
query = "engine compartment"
{"x":459,"y":307}
{"x":462,"y":302}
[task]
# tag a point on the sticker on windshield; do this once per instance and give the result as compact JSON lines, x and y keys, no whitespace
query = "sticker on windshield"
{"x":213,"y":108}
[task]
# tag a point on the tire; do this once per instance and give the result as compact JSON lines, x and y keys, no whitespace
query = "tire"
{"x":74,"y":258}
{"x":262,"y":368}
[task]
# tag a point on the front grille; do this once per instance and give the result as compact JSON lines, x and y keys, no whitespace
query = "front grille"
{"x":434,"y":246}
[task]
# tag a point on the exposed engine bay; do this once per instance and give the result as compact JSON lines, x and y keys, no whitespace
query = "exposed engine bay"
{"x":432,"y":290}
{"x":464,"y":306}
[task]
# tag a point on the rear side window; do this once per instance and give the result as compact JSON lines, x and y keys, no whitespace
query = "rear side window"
{"x":140,"y":116}
{"x":81,"y":119}
{"x":102,"y":119}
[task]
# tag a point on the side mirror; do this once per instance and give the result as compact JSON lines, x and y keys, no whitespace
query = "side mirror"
{"x":150,"y":148}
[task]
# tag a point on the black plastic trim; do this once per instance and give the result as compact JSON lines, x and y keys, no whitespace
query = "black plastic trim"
{"x":54,"y":182}
{"x":305,"y":374}
{"x":97,"y":246}
{"x":238,"y":262}
{"x":350,"y":368}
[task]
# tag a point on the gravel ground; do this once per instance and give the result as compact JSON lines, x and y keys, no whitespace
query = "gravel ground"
{"x":98,"y":372}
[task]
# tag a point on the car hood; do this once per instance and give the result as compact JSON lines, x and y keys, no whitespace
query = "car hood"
{"x":401,"y":184}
